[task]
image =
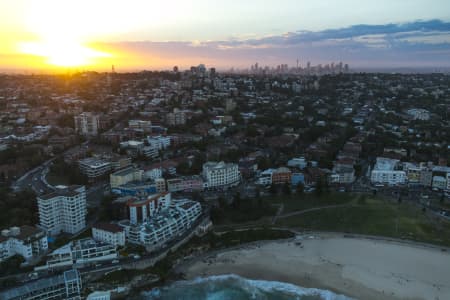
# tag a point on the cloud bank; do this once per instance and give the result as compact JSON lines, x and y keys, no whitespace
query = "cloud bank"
{"x":414,"y":44}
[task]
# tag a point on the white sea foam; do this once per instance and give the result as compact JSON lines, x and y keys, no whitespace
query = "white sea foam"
{"x":254,"y":288}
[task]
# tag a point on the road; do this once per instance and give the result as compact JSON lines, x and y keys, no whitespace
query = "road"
{"x":35,"y":179}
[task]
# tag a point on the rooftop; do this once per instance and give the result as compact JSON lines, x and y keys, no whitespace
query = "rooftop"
{"x":65,"y":191}
{"x":40,"y":284}
{"x":125,"y":171}
{"x":93,"y":162}
{"x":385,"y":164}
{"x":108,"y":227}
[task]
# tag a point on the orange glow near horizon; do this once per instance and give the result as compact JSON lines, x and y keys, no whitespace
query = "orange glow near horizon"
{"x":63,"y":54}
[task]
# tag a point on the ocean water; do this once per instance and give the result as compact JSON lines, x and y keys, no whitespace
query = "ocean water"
{"x":233,"y":287}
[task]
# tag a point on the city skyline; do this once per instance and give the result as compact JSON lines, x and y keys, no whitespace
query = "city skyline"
{"x":49,"y":35}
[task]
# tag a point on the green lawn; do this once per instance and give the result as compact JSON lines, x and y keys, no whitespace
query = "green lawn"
{"x":376,"y":217}
{"x":304,"y":201}
{"x":259,"y":212}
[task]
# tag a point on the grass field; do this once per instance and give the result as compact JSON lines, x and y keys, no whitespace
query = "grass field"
{"x":297,"y":202}
{"x":375,"y":217}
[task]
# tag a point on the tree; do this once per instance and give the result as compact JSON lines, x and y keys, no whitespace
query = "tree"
{"x":286,"y":189}
{"x":222,"y":202}
{"x":237,"y":200}
{"x":300,"y":188}
{"x":320,"y":187}
{"x":273,"y":189}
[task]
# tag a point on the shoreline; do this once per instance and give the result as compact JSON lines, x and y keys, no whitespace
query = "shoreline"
{"x":361,"y":267}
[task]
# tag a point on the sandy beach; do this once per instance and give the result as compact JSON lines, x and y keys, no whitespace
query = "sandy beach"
{"x":357,"y":267}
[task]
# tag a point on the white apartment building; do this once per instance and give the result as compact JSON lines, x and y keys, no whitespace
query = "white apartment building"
{"x":265,"y":178}
{"x":160,"y":184}
{"x":153,"y":173}
{"x":63,"y":210}
{"x":448,"y":181}
{"x":164,"y":226}
{"x":145,"y":126}
{"x":386,"y":171}
{"x":439,"y":182}
{"x":109,"y":233}
{"x":150,"y":151}
{"x":64,"y":286}
{"x":159,"y":142}
{"x":99,"y":295}
{"x":342,"y":175}
{"x":94,"y":168}
{"x":125,"y":176}
{"x":26,"y":241}
{"x":87,"y":124}
{"x":177,"y":117}
{"x":299,"y":162}
{"x":79,"y":252}
{"x":220,"y":174}
{"x":419,"y":114}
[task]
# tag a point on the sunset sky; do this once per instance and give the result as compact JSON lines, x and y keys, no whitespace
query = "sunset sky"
{"x":146,"y":34}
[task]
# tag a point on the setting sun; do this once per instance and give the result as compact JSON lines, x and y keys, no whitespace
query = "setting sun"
{"x":66,"y":54}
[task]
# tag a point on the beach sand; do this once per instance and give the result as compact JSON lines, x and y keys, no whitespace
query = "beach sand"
{"x":357,"y":267}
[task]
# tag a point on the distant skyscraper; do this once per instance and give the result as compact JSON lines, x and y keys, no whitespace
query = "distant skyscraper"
{"x":212,"y":72}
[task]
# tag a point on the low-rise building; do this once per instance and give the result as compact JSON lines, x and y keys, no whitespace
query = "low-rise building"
{"x":160,"y":184}
{"x":281,"y":175}
{"x":299,"y":162}
{"x":26,"y":241}
{"x":109,"y":233}
{"x":140,"y":125}
{"x":66,"y":286}
{"x":125,"y":176}
{"x":153,"y":173}
{"x":426,"y":177}
{"x":159,"y":142}
{"x":185,"y":184}
{"x":448,"y":181}
{"x":99,"y":295}
{"x":439,"y":182}
{"x":94,"y":168}
{"x":151,"y":151}
{"x":297,"y":178}
{"x":342,"y":175}
{"x":79,"y":252}
{"x":265,"y":178}
{"x":120,"y":162}
{"x":387,"y":171}
{"x":141,"y":188}
{"x":419,"y":114}
{"x":413,"y":172}
{"x":133,"y":148}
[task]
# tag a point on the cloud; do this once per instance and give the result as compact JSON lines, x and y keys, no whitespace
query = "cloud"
{"x":419,"y":43}
{"x":360,"y":32}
